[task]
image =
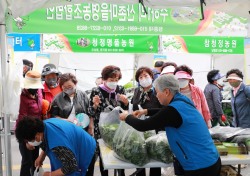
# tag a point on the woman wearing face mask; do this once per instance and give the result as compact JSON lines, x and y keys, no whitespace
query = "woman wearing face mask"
{"x":214,"y":97}
{"x":145,"y":96}
{"x":30,"y":104}
{"x":108,"y":93}
{"x":194,"y":93}
{"x":51,"y":87}
{"x":240,"y":99}
{"x":70,"y":102}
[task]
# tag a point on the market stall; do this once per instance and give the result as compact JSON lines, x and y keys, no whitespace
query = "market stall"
{"x":112,"y":162}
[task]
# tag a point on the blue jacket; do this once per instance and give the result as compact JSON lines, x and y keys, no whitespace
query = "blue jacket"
{"x":191,"y":143}
{"x":241,"y":107}
{"x":62,"y":133}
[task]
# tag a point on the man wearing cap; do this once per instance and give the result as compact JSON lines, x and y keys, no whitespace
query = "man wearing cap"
{"x":30,"y":105}
{"x":51,"y":86}
{"x":240,"y":99}
{"x":187,"y":133}
{"x":214,"y":97}
{"x":157,"y":69}
{"x":27,"y":66}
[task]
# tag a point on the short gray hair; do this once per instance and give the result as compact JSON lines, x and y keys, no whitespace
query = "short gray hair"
{"x":168,"y":81}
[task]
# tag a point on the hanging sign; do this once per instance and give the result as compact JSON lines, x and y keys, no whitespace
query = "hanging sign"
{"x":26,"y":42}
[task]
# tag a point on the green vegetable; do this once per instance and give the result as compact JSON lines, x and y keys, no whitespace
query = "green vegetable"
{"x":108,"y":133}
{"x":148,"y":134}
{"x":129,"y":145}
{"x":158,"y":148}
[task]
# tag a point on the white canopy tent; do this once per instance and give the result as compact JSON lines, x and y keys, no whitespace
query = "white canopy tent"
{"x":16,"y":8}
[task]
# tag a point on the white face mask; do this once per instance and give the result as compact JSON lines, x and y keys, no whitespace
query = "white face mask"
{"x":112,"y":85}
{"x":183,"y":83}
{"x":35,"y":143}
{"x":220,"y":82}
{"x":146,"y":82}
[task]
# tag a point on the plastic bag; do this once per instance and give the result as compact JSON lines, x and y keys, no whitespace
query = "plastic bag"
{"x":39,"y":171}
{"x":158,"y":148}
{"x":224,"y":133}
{"x":129,"y":144}
{"x":243,"y":138}
{"x":108,"y":124}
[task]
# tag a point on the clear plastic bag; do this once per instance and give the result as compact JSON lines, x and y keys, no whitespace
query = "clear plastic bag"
{"x":108,"y":124}
{"x":158,"y":148}
{"x":224,"y":133}
{"x":129,"y":144}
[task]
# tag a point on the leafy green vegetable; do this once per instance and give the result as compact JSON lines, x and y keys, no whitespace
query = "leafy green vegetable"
{"x":129,"y":145}
{"x":148,"y":134}
{"x":108,"y":133}
{"x":158,"y":148}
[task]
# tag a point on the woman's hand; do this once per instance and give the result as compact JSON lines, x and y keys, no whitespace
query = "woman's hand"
{"x":123,"y":98}
{"x":40,"y":159}
{"x":123,"y":115}
{"x":139,"y":113}
{"x":96,"y":101}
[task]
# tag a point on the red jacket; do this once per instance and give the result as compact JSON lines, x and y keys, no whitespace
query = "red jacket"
{"x":30,"y":106}
{"x":47,"y":95}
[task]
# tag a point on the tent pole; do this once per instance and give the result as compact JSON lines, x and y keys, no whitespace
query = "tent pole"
{"x":7,"y":134}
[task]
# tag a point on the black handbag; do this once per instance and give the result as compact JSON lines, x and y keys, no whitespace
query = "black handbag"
{"x":178,"y":169}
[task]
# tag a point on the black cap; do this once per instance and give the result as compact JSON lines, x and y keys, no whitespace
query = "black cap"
{"x":27,"y":63}
{"x":159,"y":63}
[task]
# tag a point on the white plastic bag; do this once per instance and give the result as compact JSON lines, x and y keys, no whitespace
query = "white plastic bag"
{"x":108,"y":124}
{"x":129,"y":144}
{"x":39,"y":171}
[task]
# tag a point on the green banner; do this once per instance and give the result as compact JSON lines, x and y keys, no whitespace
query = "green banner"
{"x":92,"y":19}
{"x":203,"y":44}
{"x":100,"y":43}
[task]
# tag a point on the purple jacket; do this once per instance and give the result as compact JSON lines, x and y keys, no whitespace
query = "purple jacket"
{"x":30,"y":106}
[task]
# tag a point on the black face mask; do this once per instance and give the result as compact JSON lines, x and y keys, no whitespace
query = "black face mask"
{"x":32,"y":91}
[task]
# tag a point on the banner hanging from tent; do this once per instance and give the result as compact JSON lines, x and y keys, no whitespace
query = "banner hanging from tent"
{"x":92,"y":19}
{"x":203,"y":44}
{"x":100,"y":43}
{"x":26,"y":42}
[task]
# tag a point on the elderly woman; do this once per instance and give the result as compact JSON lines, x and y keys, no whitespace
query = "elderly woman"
{"x":30,"y":104}
{"x":187,"y":133}
{"x":69,"y":148}
{"x":71,"y":102}
{"x":108,"y":93}
{"x":145,"y":96}
{"x":240,"y":99}
{"x":214,"y":97}
{"x":194,"y":93}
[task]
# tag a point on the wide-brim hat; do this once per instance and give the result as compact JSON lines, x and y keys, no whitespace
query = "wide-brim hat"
{"x":32,"y":80}
{"x":48,"y":69}
{"x":218,"y":76}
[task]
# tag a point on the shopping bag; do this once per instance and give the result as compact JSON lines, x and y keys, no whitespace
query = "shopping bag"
{"x":129,"y":144}
{"x":39,"y":171}
{"x":108,"y":124}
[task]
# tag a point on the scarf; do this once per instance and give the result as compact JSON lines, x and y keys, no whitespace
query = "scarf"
{"x":103,"y":87}
{"x":144,"y":95}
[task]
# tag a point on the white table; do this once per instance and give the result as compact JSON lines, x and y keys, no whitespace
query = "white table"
{"x":111,"y":162}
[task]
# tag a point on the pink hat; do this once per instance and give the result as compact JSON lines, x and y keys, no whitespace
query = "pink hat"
{"x":183,"y":75}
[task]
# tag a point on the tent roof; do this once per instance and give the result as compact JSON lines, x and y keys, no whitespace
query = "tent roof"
{"x":19,"y":8}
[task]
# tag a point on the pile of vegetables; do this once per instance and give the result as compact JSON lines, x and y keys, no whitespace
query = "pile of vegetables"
{"x":108,"y":133}
{"x":158,"y":148}
{"x":130,"y":145}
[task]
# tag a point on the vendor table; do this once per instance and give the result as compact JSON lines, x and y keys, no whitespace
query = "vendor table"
{"x":111,"y":162}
